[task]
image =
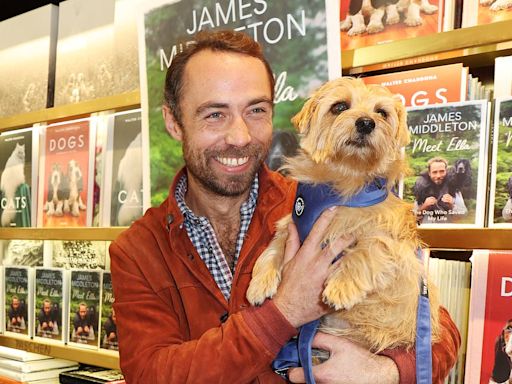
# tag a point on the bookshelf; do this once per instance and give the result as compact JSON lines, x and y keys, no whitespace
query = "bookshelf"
{"x":477,"y":45}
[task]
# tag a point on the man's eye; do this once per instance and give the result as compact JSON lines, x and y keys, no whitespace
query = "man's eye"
{"x":214,"y":115}
{"x":337,"y":108}
{"x":258,"y":110}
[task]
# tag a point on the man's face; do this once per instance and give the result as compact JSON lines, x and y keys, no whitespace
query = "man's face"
{"x":15,"y":303}
{"x":82,"y":311}
{"x":46,"y":307}
{"x":227,"y":120}
{"x":437,"y":172}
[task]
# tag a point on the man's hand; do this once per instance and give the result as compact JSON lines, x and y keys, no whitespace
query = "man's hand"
{"x":429,"y":202}
{"x":299,"y":296}
{"x":349,"y":363}
{"x":448,"y":199}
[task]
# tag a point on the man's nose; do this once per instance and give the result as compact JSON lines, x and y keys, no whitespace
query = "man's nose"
{"x":238,"y":133}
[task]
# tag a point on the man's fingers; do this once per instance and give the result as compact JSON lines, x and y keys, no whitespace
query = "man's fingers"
{"x":317,"y":233}
{"x":292,"y":243}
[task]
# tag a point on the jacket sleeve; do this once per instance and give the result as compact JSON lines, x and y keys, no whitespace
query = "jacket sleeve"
{"x":444,"y":353}
{"x":153,"y":348}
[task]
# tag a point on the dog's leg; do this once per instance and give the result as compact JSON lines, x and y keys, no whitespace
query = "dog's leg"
{"x":58,"y":208}
{"x":428,"y":8}
{"x":392,"y":16}
{"x":74,"y":209}
{"x":501,"y":4}
{"x":360,"y":274}
{"x":49,"y":208}
{"x":266,"y":274}
{"x":81,"y":204}
{"x":413,"y":17}
{"x":346,"y":24}
{"x":358,"y":26}
{"x":375,"y":25}
{"x":66,"y":207}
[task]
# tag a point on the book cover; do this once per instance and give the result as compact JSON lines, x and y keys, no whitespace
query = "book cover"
{"x":18,"y":282}
{"x":478,"y":12}
{"x":490,"y":327}
{"x":26,"y":61}
{"x":28,"y":253}
{"x":36,"y":365}
{"x":66,"y":174}
{"x":101,"y":122}
{"x":50,"y":301}
{"x":502,"y":77}
{"x":500,"y":195}
{"x":91,"y":375}
{"x":32,"y":377}
{"x":80,"y":254}
{"x":20,"y":355}
{"x":84,"y":308}
{"x":85,"y":26}
{"x":368,"y":26}
{"x":448,"y":158}
{"x":108,"y":316}
{"x":123,"y":198}
{"x":425,"y":86}
{"x":18,"y":176}
{"x":300,"y":39}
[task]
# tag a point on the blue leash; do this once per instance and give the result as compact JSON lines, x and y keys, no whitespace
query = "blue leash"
{"x":311,"y":200}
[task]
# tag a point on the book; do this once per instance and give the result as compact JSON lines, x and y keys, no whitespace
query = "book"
{"x":84,"y":308}
{"x":123,"y":197}
{"x":33,"y":376}
{"x":108,"y":315}
{"x":489,"y":346}
{"x":29,"y":253}
{"x":80,"y":254}
{"x":18,"y":176}
{"x":500,"y":195}
{"x":36,"y":365}
{"x":18,"y":313}
{"x":20,"y":355}
{"x":91,"y":375}
{"x":27,"y":61}
{"x":478,"y":12}
{"x":101,"y":121}
{"x":432,"y":85}
{"x":371,"y":26}
{"x":50,"y":304}
{"x":66,"y":174}
{"x":300,"y":39}
{"x":448,"y":158}
{"x":502,"y":77}
{"x":84,"y":26}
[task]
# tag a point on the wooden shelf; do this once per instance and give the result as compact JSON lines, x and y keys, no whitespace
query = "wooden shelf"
{"x":465,"y":44}
{"x":107,"y":233}
{"x":467,"y":238}
{"x":93,"y":357}
{"x":117,"y":103}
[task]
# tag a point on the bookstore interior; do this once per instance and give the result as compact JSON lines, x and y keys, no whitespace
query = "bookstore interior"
{"x":82,"y":149}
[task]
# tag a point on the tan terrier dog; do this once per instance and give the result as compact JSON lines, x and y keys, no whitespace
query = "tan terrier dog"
{"x":352,"y":134}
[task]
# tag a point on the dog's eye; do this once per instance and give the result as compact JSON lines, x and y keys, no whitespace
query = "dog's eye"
{"x":382,"y":112}
{"x":337,"y":108}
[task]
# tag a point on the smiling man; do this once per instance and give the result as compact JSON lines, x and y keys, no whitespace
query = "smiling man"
{"x":180,"y":274}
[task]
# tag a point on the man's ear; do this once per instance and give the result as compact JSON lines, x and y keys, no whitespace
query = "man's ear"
{"x":171,"y":125}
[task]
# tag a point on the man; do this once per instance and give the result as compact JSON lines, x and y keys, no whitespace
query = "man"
{"x":180,"y":273}
{"x":81,"y":323}
{"x":432,"y":197}
{"x":110,"y":327}
{"x":45,"y":318}
{"x":16,"y":314}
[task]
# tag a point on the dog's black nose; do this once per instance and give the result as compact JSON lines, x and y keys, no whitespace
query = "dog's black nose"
{"x":364,"y":125}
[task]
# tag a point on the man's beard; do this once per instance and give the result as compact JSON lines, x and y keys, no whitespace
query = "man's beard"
{"x":225,"y":185}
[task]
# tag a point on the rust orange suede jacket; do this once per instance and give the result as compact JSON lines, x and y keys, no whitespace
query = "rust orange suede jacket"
{"x":175,"y":326}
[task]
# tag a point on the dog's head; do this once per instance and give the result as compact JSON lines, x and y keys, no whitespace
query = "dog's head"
{"x":55,"y":175}
{"x":463,"y":167}
{"x":355,"y":128}
{"x":506,"y":336}
{"x":74,"y":171}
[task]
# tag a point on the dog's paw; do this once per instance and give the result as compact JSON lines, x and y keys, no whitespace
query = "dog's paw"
{"x":413,"y":21}
{"x":486,"y":2}
{"x":375,"y":27}
{"x":341,"y":296}
{"x":345,"y":25}
{"x":356,"y":30}
{"x":392,"y":19}
{"x":263,"y":286}
{"x":500,"y":5}
{"x":429,"y":9}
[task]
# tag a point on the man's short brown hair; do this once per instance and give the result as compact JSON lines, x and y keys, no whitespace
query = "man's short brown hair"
{"x":437,"y":159}
{"x":220,"y":41}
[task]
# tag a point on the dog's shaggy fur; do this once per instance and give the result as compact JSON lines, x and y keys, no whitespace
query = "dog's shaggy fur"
{"x":12,"y":177}
{"x":352,"y":133}
{"x":460,"y":178}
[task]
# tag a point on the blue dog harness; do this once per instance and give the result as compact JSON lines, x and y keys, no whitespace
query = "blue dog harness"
{"x":310,"y":201}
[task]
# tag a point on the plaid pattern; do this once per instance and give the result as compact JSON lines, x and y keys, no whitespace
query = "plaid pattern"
{"x":202,"y":235}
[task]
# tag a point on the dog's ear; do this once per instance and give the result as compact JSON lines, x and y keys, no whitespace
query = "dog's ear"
{"x":403,"y":137}
{"x":302,"y":120}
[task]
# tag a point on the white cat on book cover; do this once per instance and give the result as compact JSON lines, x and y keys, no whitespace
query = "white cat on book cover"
{"x":12,"y":177}
{"x":129,"y":177}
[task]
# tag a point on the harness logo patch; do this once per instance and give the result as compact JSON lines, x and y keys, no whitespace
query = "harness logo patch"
{"x":299,"y":206}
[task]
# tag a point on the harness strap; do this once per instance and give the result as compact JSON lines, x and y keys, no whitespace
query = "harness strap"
{"x":423,"y":335}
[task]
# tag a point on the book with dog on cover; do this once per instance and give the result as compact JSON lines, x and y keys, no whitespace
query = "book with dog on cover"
{"x":448,"y":158}
{"x":84,"y":308}
{"x":50,"y":301}
{"x":500,"y":195}
{"x":18,"y":176}
{"x":361,"y":25}
{"x":66,"y":174}
{"x":425,"y":86}
{"x":502,"y":77}
{"x":479,"y":12}
{"x":489,"y":350}
{"x":78,"y":254}
{"x":108,"y":339}
{"x":28,"y":253}
{"x":18,"y":295}
{"x":123,"y":199}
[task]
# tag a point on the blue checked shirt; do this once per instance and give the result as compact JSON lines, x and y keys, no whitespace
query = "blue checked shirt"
{"x":202,"y":235}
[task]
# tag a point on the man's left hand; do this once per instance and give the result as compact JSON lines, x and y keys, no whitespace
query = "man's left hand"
{"x":349,"y":363}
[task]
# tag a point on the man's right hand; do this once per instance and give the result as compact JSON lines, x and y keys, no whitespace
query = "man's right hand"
{"x":306,"y":267}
